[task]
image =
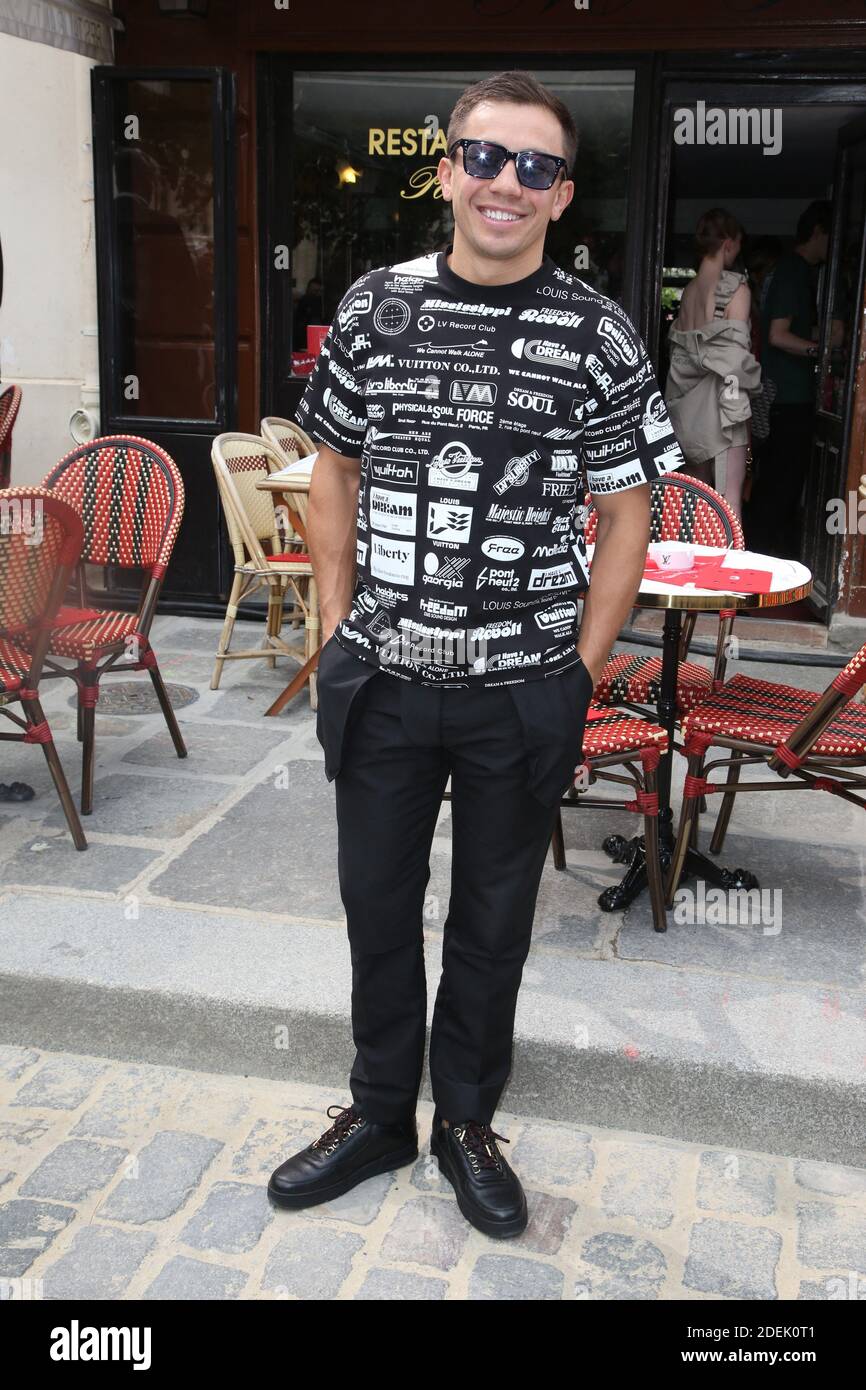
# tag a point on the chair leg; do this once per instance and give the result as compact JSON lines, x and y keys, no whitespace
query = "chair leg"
{"x":226,"y":634}
{"x":727,"y":805}
{"x":557,"y":843}
{"x":653,"y":862}
{"x":165,"y":705}
{"x":55,"y":767}
{"x":684,"y":833}
{"x":88,"y":728}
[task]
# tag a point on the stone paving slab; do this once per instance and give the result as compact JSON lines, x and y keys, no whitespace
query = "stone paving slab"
{"x":182,"y":1214}
{"x":698,"y":1054}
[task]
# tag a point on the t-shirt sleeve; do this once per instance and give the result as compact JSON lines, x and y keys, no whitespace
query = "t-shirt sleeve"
{"x":332,"y":408}
{"x":628,"y":438}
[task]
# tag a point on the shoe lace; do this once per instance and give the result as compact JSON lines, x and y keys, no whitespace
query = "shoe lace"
{"x":348,"y":1120}
{"x":479,"y":1141}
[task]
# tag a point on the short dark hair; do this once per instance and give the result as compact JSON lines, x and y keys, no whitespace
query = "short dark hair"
{"x":817,"y":214}
{"x":515,"y":86}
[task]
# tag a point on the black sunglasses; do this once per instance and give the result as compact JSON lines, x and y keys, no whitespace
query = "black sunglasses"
{"x":484,"y":160}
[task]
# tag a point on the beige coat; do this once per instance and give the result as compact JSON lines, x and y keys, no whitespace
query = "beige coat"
{"x":712,"y":374}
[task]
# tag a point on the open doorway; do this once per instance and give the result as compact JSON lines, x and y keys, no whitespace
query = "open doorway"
{"x":790,"y":169}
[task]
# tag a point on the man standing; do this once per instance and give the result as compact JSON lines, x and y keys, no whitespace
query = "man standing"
{"x":460,"y":398}
{"x":789,"y":335}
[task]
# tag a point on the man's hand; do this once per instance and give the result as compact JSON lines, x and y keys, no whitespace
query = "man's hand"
{"x":617,"y":568}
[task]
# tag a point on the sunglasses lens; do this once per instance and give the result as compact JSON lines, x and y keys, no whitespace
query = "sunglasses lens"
{"x":483,"y":160}
{"x":536,"y":170}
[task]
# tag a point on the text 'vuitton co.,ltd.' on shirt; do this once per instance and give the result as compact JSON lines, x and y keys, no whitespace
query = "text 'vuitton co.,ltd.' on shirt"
{"x":481,"y":416}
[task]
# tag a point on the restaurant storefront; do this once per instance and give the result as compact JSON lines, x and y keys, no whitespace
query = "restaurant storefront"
{"x":253,"y":161}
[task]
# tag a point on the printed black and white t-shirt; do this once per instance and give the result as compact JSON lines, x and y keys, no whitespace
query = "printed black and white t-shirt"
{"x":481,"y":415}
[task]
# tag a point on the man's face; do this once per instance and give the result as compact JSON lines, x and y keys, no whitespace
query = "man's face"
{"x":517,"y":127}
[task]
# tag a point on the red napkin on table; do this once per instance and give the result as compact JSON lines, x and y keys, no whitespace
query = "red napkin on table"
{"x":710,"y":572}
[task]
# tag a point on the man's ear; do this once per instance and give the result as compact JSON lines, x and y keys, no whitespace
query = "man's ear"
{"x":564,"y":196}
{"x":445,"y":174}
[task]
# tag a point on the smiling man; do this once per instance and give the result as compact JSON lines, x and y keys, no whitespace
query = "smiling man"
{"x":464,"y":401}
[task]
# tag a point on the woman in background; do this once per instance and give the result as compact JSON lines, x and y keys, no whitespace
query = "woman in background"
{"x":712,"y":368}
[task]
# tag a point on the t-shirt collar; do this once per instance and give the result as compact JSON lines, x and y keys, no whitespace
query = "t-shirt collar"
{"x":491,"y":294}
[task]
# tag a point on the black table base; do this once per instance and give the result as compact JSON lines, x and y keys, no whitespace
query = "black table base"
{"x":633,"y":851}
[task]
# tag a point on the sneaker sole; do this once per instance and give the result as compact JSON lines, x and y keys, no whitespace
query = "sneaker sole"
{"x":497,"y":1229}
{"x":311,"y":1198}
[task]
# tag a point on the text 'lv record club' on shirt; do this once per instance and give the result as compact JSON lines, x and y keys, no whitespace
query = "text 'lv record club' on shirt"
{"x":481,"y":416}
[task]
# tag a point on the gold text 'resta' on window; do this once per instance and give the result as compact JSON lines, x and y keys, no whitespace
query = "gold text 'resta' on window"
{"x":366,"y":149}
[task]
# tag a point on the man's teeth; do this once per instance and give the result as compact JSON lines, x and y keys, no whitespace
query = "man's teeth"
{"x":501,"y":216}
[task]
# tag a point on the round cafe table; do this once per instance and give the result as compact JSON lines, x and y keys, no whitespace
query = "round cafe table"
{"x":790,"y":581}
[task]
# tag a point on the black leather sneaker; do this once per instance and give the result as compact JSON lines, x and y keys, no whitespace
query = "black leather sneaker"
{"x":489,"y":1193}
{"x":353,"y":1149}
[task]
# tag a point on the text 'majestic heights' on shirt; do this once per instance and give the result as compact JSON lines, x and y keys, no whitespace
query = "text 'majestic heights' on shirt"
{"x":481,"y":416}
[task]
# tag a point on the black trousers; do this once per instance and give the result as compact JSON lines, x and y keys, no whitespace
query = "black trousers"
{"x":775,"y":520}
{"x":390,"y":746}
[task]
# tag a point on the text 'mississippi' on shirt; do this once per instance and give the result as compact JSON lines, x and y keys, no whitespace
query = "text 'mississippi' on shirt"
{"x":481,"y":416}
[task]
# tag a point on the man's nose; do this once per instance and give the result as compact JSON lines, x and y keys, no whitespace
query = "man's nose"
{"x":506,"y":180}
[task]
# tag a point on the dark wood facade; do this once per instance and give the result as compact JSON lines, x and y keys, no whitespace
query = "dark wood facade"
{"x":765,"y":40}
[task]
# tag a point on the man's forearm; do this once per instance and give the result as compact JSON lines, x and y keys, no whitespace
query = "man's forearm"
{"x":332,"y":536}
{"x":790,"y":342}
{"x":617,"y":568}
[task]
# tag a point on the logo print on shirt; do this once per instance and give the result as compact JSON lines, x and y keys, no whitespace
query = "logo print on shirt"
{"x":655,"y":423}
{"x":453,"y":467}
{"x":503,"y":548}
{"x":392,"y":559}
{"x":447,"y":572}
{"x":473,"y":392}
{"x":341,"y":412}
{"x":478,"y":345}
{"x":393,"y":511}
{"x":516,"y":471}
{"x":543,"y":350}
{"x":448,"y":522}
{"x":619,"y":340}
{"x":392,"y":316}
{"x":359,"y":304}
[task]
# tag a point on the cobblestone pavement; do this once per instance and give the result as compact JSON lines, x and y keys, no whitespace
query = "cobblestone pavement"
{"x":122,"y":1181}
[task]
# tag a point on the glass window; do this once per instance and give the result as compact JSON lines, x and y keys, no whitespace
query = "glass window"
{"x":366,"y":194}
{"x":162,"y":161}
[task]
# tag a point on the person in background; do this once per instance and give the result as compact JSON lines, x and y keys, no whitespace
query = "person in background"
{"x":761,"y":260}
{"x":712,"y":369}
{"x":790,"y":351}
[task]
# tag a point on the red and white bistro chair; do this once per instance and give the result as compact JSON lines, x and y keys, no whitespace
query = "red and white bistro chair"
{"x":34,"y":575}
{"x":129,"y":495}
{"x":10,"y":404}
{"x":634,"y":746}
{"x":681,"y":509}
{"x":809,"y":742}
